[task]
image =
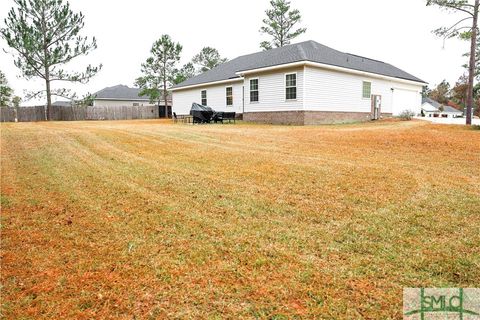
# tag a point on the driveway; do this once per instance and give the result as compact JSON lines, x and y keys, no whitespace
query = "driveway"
{"x":448,"y":120}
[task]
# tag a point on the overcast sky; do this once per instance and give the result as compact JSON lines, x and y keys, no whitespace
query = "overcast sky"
{"x":397,"y":32}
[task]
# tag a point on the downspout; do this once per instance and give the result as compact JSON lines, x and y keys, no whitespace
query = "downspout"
{"x":243,"y":97}
{"x":304,"y":86}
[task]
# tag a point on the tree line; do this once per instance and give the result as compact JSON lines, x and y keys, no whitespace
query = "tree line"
{"x":444,"y":93}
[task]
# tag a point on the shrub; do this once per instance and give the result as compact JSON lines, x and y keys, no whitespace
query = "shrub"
{"x":406,"y":115}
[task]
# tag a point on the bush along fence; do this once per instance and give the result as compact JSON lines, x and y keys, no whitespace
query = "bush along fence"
{"x":73,"y":113}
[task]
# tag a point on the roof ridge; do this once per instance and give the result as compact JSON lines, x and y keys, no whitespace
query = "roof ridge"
{"x":270,"y":50}
{"x":303,"y":55}
{"x":363,"y":57}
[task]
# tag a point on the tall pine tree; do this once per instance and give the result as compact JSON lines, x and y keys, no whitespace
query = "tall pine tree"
{"x":44,"y":36}
{"x":159,"y":70}
{"x":465,"y":28}
{"x":208,"y":58}
{"x":279,"y":24}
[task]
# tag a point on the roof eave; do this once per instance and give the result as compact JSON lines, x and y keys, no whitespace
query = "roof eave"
{"x":203,"y":84}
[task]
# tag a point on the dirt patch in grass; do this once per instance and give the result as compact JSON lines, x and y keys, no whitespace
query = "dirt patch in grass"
{"x":147,"y":219}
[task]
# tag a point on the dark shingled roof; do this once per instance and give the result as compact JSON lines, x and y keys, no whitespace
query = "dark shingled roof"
{"x":432,"y":102}
{"x":304,"y":51}
{"x":120,"y":92}
{"x":62,"y":103}
{"x":451,"y":109}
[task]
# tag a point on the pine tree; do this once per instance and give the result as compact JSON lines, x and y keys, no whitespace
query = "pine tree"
{"x":463,"y":31}
{"x":208,"y":58}
{"x":44,"y":36}
{"x":159,"y":69}
{"x":5,"y":91}
{"x":279,"y":24}
{"x":186,"y":72}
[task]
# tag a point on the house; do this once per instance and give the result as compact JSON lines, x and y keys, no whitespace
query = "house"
{"x":121,"y":95}
{"x":303,"y":83}
{"x":431,"y":108}
{"x":62,"y":103}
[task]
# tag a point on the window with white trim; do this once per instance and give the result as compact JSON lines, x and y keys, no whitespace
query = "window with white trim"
{"x":204,"y":97}
{"x":229,"y":95}
{"x":366,"y":90}
{"x":253,"y":90}
{"x":291,"y":86}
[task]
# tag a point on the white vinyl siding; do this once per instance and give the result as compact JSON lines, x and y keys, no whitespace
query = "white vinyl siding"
{"x":271,"y":90}
{"x":404,"y":99}
{"x":328,"y":90}
{"x":183,"y":99}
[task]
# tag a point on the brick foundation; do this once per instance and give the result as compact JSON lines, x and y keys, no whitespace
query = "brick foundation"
{"x":307,"y":117}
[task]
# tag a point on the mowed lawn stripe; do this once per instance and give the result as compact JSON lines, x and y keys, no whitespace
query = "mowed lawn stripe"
{"x":145,"y":218}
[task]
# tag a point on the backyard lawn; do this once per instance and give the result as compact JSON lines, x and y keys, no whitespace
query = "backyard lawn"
{"x":147,"y":219}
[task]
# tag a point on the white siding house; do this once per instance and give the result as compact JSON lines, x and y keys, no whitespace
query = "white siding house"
{"x":216,"y":97}
{"x":329,"y":90}
{"x":271,"y":88}
{"x":305,"y":83}
{"x":433,"y":109}
{"x":124,"y":96}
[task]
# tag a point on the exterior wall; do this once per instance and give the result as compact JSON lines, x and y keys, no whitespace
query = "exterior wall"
{"x":427,"y":107}
{"x":271,"y":90}
{"x":276,"y":117}
{"x":327,"y":90}
{"x":120,"y":103}
{"x":325,"y":117}
{"x":216,"y":98}
{"x":307,"y":117}
{"x":406,"y":99}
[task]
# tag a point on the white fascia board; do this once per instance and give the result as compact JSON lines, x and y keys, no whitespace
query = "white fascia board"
{"x":207,"y":84}
{"x":329,"y":67}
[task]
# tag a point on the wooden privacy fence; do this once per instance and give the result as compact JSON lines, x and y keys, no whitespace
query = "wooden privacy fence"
{"x":71,"y":113}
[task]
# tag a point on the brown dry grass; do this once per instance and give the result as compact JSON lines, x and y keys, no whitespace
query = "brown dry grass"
{"x":144,"y":219}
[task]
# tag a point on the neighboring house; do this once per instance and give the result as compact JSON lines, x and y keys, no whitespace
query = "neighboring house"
{"x":62,"y":103}
{"x":122,"y":95}
{"x":432,"y":108}
{"x":304,"y":83}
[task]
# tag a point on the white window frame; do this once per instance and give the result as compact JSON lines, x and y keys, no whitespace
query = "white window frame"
{"x":201,"y":97}
{"x":363,"y":97}
{"x":285,"y":85}
{"x":226,"y":96}
{"x":250,"y":90}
